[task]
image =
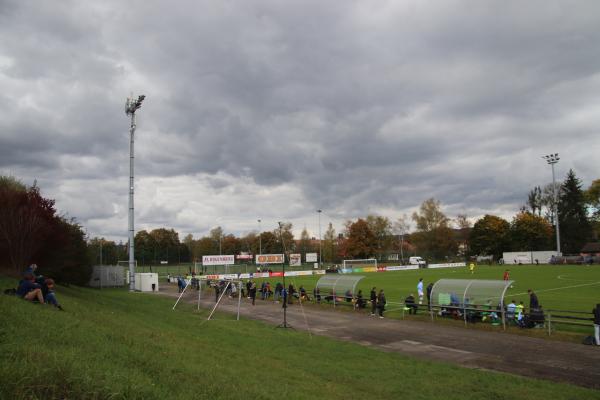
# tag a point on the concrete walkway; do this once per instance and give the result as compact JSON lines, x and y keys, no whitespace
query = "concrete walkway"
{"x":472,"y":348}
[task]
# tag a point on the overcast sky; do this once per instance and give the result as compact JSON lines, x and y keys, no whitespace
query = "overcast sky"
{"x":273,"y":109}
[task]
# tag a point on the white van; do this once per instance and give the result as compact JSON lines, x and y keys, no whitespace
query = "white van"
{"x":417,"y":261}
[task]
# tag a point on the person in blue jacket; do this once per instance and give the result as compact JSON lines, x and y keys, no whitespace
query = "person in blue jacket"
{"x":29,"y":290}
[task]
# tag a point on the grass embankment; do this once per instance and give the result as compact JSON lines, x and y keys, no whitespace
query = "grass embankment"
{"x":117,"y":345}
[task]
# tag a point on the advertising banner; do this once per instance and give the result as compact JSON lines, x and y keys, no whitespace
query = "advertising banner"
{"x":245,"y":257}
{"x":269,"y":258}
{"x":296,"y":260}
{"x":369,"y":269}
{"x":320,"y":272}
{"x":302,"y":273}
{"x":291,"y":273}
{"x":450,"y":265}
{"x":276,"y":273}
{"x":401,"y":267}
{"x":311,"y":257}
{"x":218,"y":260}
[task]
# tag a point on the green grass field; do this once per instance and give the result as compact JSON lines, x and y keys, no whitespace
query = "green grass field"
{"x":111,"y":344}
{"x":565,"y":287}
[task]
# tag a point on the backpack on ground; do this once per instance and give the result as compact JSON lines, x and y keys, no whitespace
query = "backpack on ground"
{"x":589,"y":340}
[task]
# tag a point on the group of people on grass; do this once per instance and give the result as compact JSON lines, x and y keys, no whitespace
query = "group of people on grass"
{"x":37,"y":288}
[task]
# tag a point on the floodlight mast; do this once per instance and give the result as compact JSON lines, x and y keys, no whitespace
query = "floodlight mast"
{"x":320,"y":241}
{"x":131,"y":106}
{"x":553,"y":159}
{"x":288,"y":294}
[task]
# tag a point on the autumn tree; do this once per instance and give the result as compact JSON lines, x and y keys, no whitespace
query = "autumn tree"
{"x":270,"y":243}
{"x":592,"y":197}
{"x":360,"y":241}
{"x":284,"y":232}
{"x":31,"y":231}
{"x":304,"y":244}
{"x":490,"y":236}
{"x":382,"y":230}
{"x":26,"y":220}
{"x":230,"y":244}
{"x":145,"y":247}
{"x":434,"y":238}
{"x":102,"y":251}
{"x":530,"y":232}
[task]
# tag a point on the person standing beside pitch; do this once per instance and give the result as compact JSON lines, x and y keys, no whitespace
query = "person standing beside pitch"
{"x":373,"y":300}
{"x":381,"y":302}
{"x":420,"y":290}
{"x":596,"y":312}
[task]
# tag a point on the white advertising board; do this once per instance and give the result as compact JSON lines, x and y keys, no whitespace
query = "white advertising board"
{"x":311,"y":257}
{"x":295,"y":260}
{"x":218,"y":260}
{"x":269,"y":258}
{"x":401,"y":267}
{"x":449,"y":265}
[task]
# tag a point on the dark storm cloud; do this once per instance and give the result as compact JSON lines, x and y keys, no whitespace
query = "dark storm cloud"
{"x":348,"y":107}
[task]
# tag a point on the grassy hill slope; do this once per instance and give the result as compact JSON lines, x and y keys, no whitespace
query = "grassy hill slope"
{"x":112,"y":344}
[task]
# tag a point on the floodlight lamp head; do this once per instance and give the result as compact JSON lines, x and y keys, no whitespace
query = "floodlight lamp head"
{"x":552,"y":158}
{"x":132,"y":105}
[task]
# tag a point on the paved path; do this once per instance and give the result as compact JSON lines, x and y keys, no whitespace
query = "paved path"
{"x":471,"y":348}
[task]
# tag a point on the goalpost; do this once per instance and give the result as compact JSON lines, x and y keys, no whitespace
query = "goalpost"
{"x":366,"y":262}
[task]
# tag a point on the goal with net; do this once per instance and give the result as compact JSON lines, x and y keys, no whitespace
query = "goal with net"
{"x":364,"y":263}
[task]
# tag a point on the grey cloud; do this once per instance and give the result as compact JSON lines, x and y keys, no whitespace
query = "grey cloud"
{"x":358,"y":106}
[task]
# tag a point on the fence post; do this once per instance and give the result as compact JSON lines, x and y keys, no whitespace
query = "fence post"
{"x":549,"y":324}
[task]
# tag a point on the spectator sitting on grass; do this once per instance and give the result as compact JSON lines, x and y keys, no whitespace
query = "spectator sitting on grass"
{"x":30,"y":270}
{"x":29,"y":290}
{"x":50,"y":296}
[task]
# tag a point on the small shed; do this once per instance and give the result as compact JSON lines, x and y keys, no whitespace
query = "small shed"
{"x":470,"y":295}
{"x":337,"y":287}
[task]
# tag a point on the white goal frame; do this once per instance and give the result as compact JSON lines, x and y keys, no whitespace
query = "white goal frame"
{"x":363,"y":262}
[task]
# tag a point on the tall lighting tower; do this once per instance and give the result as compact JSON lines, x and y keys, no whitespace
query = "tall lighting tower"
{"x":320,"y":245}
{"x":131,"y":106}
{"x":259,"y":237}
{"x":553,"y":159}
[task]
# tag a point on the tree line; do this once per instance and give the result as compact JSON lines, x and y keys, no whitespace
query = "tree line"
{"x":32,"y":230}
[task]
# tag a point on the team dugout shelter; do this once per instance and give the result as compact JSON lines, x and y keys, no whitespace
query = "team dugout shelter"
{"x":337,"y":287}
{"x":470,"y":298}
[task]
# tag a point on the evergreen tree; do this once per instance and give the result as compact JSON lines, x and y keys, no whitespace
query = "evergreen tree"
{"x":575,"y":227}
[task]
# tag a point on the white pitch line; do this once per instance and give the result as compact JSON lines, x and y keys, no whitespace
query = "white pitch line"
{"x":571,"y":279}
{"x":560,"y":288}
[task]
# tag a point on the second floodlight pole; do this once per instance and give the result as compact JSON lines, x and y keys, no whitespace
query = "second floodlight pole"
{"x":131,"y":106}
{"x":285,"y":299}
